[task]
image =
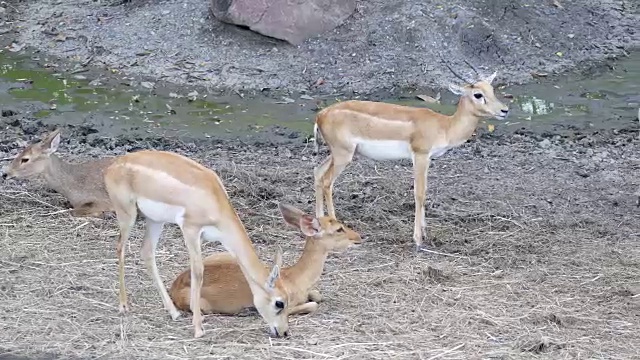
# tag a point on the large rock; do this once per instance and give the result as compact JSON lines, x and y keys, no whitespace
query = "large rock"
{"x":290,"y":20}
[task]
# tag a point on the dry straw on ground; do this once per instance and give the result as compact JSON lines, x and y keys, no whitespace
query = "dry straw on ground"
{"x":539,"y":259}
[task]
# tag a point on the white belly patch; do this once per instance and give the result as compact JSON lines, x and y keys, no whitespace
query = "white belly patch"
{"x":384,"y":149}
{"x":161,"y":212}
{"x":213,"y":234}
{"x":438,"y":151}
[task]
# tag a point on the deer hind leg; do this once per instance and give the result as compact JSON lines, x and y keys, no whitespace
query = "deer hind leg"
{"x":305,"y":308}
{"x":421,"y":164}
{"x":340,"y":161}
{"x":319,"y":174}
{"x":126,"y":213}
{"x":151,"y":238}
{"x":193,"y":241}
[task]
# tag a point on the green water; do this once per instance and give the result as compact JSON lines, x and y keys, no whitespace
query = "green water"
{"x":606,"y":100}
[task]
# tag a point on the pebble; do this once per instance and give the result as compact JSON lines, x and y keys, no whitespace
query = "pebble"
{"x":545,"y":143}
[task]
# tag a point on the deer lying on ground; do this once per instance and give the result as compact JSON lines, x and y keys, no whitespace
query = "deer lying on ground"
{"x":226,"y":291}
{"x":382,"y":131}
{"x":170,"y":188}
{"x":81,"y":184}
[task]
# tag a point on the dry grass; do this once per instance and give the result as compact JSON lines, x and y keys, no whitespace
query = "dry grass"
{"x":539,"y":262}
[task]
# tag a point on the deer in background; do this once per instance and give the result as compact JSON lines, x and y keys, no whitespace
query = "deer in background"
{"x":382,"y":131}
{"x":166,"y":187}
{"x":82,"y":184}
{"x":226,"y":291}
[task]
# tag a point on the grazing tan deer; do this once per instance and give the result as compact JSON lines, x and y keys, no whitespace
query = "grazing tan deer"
{"x":170,"y":188}
{"x":82,"y":184}
{"x":226,"y":291}
{"x":382,"y":131}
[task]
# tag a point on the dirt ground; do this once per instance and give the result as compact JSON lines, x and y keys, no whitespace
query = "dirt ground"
{"x":539,"y":236}
{"x":385,"y":47}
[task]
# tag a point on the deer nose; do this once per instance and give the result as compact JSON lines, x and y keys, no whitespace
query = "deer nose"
{"x":4,"y":175}
{"x":277,"y":333}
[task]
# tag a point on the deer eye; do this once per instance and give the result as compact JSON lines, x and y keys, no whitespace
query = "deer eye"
{"x":477,"y":96}
{"x":24,"y":160}
{"x":279,"y":304}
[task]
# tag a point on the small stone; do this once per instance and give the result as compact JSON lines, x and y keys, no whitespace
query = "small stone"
{"x":545,"y":143}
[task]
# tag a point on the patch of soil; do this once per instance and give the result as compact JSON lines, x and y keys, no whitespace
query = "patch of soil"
{"x":384,"y":47}
{"x":536,"y":254}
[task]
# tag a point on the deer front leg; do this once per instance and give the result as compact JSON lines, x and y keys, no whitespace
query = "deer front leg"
{"x":192,"y":239}
{"x":314,"y":295}
{"x":151,"y":238}
{"x":421,"y":164}
{"x":305,"y":308}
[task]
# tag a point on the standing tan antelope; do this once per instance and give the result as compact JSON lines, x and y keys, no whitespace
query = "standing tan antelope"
{"x":82,"y":184}
{"x":382,"y":131}
{"x":225,"y":290}
{"x":170,"y":188}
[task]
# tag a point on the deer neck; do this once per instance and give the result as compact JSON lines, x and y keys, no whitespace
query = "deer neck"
{"x":56,"y":170}
{"x":239,"y":244}
{"x":308,"y":269}
{"x":463,"y":122}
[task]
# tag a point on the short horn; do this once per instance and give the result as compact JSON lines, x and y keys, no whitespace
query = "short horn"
{"x":466,"y":80}
{"x":472,"y":67}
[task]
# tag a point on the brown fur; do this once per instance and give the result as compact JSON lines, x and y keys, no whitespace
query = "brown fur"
{"x":169,"y":188}
{"x":82,"y":184}
{"x":226,"y":291}
{"x":425,"y":132}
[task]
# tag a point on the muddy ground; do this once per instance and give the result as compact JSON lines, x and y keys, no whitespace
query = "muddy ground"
{"x":385,"y":47}
{"x":540,"y":234}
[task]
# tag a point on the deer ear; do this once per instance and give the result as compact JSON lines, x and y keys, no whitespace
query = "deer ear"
{"x":489,"y":79}
{"x":309,"y":225}
{"x":273,"y":276}
{"x":51,"y":142}
{"x":456,"y":89}
{"x":290,"y":214}
{"x":275,"y":271}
